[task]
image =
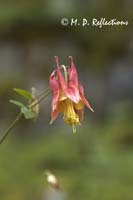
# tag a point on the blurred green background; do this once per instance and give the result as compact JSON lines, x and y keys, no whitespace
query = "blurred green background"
{"x":97,"y":162}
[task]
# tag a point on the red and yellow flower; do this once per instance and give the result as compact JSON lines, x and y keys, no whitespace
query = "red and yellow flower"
{"x":68,"y":94}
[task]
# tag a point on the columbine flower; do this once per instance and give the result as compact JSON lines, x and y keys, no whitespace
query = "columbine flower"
{"x":68,"y":94}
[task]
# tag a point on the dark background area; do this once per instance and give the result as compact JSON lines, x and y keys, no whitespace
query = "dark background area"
{"x":97,"y":162}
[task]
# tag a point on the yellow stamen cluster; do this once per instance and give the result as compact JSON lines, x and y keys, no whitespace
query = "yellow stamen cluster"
{"x":70,"y":116}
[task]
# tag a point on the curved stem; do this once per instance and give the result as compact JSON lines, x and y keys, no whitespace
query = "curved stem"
{"x":41,"y":96}
{"x":65,"y":72}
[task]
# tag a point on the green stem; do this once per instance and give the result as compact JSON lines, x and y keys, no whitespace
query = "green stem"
{"x":41,"y":96}
{"x":65,"y":73}
{"x":8,"y":130}
{"x":43,"y":92}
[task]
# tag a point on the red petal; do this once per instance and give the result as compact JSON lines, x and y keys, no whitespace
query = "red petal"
{"x":54,"y":86}
{"x":69,"y":90}
{"x":61,"y":80}
{"x":54,"y":115}
{"x":81,"y":91}
{"x":73,"y":76}
{"x":55,"y":100}
{"x":72,"y":91}
{"x":57,"y":61}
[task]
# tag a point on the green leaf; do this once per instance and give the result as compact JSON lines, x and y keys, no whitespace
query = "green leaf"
{"x":28,"y":114}
{"x":17,"y":103}
{"x":23,"y":93}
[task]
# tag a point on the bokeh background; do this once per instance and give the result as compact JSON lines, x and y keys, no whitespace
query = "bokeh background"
{"x":97,"y":162}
